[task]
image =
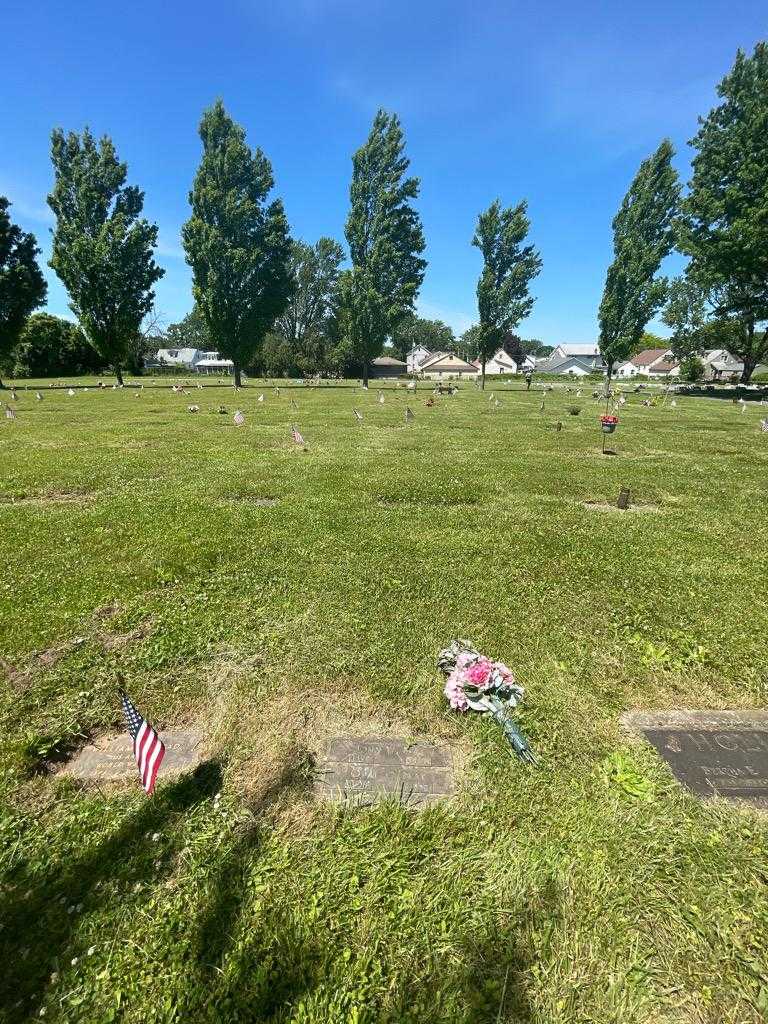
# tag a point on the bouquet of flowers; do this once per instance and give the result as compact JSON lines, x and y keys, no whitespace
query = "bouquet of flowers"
{"x":475,"y":683}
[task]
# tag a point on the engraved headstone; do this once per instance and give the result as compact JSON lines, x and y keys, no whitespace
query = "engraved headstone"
{"x":111,"y":759}
{"x":712,"y":753}
{"x":363,"y":768}
{"x":623,"y":501}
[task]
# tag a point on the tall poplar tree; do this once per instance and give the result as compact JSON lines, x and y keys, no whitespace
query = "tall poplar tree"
{"x":642,"y":236}
{"x":103,"y":250}
{"x":509,"y":267}
{"x":236,"y":243}
{"x":724,"y":224}
{"x":22,"y":285}
{"x":385,"y":242}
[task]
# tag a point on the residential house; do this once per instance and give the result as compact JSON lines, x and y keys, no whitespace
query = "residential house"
{"x":416,"y":356}
{"x":587,"y":355}
{"x":446,"y":364}
{"x":499,"y":362}
{"x":719,"y":364}
{"x":211,"y":362}
{"x":183,"y":358}
{"x":651,"y":362}
{"x":566,"y":366}
{"x":386,"y":366}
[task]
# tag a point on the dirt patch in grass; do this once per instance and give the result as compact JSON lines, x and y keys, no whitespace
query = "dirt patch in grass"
{"x":20,"y":677}
{"x":116,"y":641}
{"x":611,"y":506}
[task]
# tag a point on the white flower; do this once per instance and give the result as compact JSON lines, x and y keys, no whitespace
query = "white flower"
{"x":155,"y":837}
{"x":73,"y":961}
{"x":54,"y":977}
{"x":91,"y":950}
{"x":42,"y":1011}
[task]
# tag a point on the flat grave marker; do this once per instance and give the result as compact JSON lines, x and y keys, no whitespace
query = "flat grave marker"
{"x":712,"y":753}
{"x":110,"y":759}
{"x":364,"y":768}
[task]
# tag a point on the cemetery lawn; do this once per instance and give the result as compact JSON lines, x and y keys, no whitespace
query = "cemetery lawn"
{"x":136,"y":547}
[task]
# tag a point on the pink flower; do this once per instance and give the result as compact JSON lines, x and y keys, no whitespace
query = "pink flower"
{"x":455,"y":693}
{"x":464,"y":659}
{"x":504,"y":672}
{"x":480,"y":673}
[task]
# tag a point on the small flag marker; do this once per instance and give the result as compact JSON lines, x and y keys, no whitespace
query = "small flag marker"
{"x":238,"y":418}
{"x":409,"y":416}
{"x":358,"y":416}
{"x":148,"y":748}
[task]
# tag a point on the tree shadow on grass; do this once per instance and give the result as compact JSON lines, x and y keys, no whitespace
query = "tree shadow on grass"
{"x":40,"y":917}
{"x":241,"y":972}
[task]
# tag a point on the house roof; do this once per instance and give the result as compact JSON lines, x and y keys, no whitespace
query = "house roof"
{"x":558,"y":363}
{"x":387,"y":361}
{"x":579,"y":350}
{"x":503,"y":357}
{"x":727,"y":364}
{"x":183,"y":355}
{"x":446,"y":361}
{"x":648,"y":356}
{"x":665,"y":366}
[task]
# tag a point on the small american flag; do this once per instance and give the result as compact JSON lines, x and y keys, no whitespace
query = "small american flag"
{"x":297,"y":436}
{"x":409,"y":417}
{"x":358,"y":416}
{"x":148,"y":748}
{"x":764,"y":426}
{"x":9,"y":413}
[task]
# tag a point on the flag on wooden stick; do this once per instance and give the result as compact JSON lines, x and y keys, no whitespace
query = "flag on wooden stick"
{"x":358,"y":416}
{"x":297,"y":436}
{"x":148,"y":748}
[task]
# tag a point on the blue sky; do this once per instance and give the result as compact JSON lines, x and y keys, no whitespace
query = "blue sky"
{"x":554,"y":102}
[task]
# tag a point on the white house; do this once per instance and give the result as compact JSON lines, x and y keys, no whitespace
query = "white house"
{"x":499,"y":362}
{"x":416,"y":356}
{"x":184,"y":358}
{"x":651,"y":362}
{"x":446,"y":364}
{"x":211,"y":362}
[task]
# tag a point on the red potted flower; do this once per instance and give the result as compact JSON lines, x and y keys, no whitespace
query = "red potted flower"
{"x":609,"y":423}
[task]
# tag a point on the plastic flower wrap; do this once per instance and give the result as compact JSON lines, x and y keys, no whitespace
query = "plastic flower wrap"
{"x":475,"y":683}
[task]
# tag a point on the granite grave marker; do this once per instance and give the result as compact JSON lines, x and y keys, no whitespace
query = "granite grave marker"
{"x":110,"y":759}
{"x":712,"y":753}
{"x":363,"y":768}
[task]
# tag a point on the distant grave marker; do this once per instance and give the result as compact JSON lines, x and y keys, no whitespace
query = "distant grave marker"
{"x":364,"y":768}
{"x":712,"y":753}
{"x":111,"y":759}
{"x":623,"y":501}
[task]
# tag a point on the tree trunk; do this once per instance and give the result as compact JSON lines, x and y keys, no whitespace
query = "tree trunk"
{"x":119,"y":375}
{"x":482,"y":373}
{"x":365,"y":374}
{"x":750,"y":359}
{"x":238,"y":376}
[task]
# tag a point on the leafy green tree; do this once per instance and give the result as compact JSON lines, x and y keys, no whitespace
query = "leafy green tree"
{"x":103,"y":250}
{"x":642,"y":237}
{"x":691,"y":368}
{"x":684,"y":314}
{"x":724,"y":223}
{"x":190,"y":332}
{"x":412,"y":331}
{"x":314,"y":272}
{"x":508,"y":269}
{"x":468,"y":345}
{"x":22,"y":285}
{"x":236,"y":243}
{"x":385,"y":243}
{"x":50,"y":346}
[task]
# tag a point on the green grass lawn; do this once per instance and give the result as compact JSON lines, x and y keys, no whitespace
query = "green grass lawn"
{"x":592,"y":889}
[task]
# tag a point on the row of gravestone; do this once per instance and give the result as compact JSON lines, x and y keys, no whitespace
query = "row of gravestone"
{"x":712,"y":753}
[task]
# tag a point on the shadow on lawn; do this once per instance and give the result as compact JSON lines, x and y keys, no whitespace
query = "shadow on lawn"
{"x":45,"y":917}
